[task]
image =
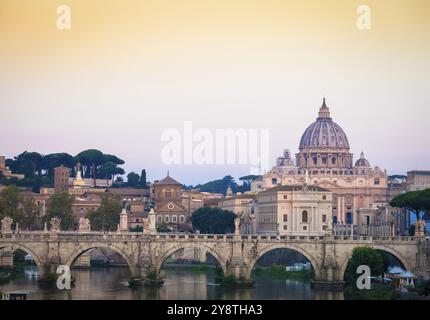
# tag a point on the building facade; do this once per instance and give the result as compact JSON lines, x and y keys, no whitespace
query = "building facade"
{"x":294,"y":210}
{"x":169,"y":210}
{"x":325,"y":160}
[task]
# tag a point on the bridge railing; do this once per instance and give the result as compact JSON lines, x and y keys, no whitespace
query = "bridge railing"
{"x":130,"y":236}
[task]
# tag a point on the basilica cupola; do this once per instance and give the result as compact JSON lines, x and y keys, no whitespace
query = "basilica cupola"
{"x":324,"y":112}
{"x":362,"y":162}
{"x":324,"y":144}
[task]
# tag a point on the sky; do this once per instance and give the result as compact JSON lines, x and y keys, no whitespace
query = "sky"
{"x":127,"y":70}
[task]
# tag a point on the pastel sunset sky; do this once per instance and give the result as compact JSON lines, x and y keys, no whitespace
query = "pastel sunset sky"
{"x":127,"y":70}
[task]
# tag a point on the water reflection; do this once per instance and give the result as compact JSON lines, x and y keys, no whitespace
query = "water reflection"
{"x":111,"y":283}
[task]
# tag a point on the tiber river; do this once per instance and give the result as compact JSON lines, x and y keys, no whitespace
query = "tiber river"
{"x":111,"y":283}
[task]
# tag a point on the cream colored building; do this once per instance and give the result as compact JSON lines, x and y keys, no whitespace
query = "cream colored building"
{"x":238,"y":203}
{"x":418,"y":180}
{"x":324,"y":158}
{"x":6,"y":172}
{"x":294,"y":210}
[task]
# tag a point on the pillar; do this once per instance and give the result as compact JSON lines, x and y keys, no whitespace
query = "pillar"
{"x":6,"y":259}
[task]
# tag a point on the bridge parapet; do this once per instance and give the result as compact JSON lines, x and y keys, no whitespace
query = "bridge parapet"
{"x":128,"y":236}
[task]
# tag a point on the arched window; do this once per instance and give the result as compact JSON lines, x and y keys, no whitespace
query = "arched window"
{"x":304,"y":216}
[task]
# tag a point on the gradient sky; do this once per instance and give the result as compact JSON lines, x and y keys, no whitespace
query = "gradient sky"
{"x":128,"y":69}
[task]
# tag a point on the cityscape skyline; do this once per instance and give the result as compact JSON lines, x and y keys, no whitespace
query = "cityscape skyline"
{"x":126,"y":72}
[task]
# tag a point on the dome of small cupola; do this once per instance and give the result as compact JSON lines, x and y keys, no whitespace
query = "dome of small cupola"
{"x":324,"y":132}
{"x":362,"y":162}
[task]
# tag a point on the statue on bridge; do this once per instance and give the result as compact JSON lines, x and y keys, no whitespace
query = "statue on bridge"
{"x":149,"y":226}
{"x":237,"y":226}
{"x":84,"y":225}
{"x":55,"y":224}
{"x":6,"y":225}
{"x":420,"y":227}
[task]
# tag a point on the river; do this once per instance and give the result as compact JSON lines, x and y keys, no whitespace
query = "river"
{"x":180,"y":284}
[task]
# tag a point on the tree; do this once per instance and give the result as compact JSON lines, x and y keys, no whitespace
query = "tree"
{"x":213,"y":220}
{"x":10,"y":203}
{"x":53,"y":160}
{"x":90,"y":159}
{"x":106,"y":217}
{"x":112,"y":158}
{"x":30,"y":213}
{"x":143,"y":179}
{"x":415,"y":201}
{"x":162,"y":227}
{"x":133,"y":179}
{"x":219,"y":186}
{"x":60,"y":205}
{"x":364,"y":256}
{"x":107,"y":170}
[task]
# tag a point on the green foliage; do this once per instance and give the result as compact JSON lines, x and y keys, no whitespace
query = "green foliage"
{"x":364,"y":256}
{"x":106,"y":217}
{"x":213,"y":220}
{"x":137,"y":229}
{"x":378,"y":291}
{"x":30,"y":214}
{"x":417,"y":202}
{"x":278,"y":271}
{"x":10,"y":201}
{"x":221,"y":185}
{"x":143,"y":179}
{"x":162,"y":227}
{"x":133,"y":179}
{"x":60,"y":205}
{"x":422,"y":287}
{"x":39,"y":169}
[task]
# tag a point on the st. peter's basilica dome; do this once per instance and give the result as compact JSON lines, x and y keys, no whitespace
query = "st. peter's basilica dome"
{"x":324,"y":133}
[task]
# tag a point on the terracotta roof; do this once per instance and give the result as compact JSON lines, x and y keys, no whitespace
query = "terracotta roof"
{"x":168,"y":180}
{"x":129,"y":191}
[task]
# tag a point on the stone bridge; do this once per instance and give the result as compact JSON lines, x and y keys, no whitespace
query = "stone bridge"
{"x":236,"y":254}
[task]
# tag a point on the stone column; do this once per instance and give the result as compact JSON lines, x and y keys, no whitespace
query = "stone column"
{"x":123,"y":221}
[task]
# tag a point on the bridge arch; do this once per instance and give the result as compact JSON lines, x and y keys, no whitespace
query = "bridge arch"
{"x":85,"y":248}
{"x":18,"y":246}
{"x":315,"y":264}
{"x":221,"y":261}
{"x":392,"y":251}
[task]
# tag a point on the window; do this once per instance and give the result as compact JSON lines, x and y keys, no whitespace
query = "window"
{"x":285,"y":227}
{"x":285,"y":196}
{"x":182,"y":219}
{"x":137,"y":220}
{"x":168,"y":195}
{"x":174,"y":219}
{"x":324,"y":197}
{"x":159,"y":219}
{"x":274,"y":181}
{"x":348,"y":218}
{"x":324,"y":218}
{"x":166,"y":218}
{"x":376,"y":181}
{"x":305,"y":228}
{"x":285,"y":217}
{"x":304,"y":216}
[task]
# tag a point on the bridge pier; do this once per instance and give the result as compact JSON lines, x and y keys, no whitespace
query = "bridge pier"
{"x":328,"y":277}
{"x":6,"y":259}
